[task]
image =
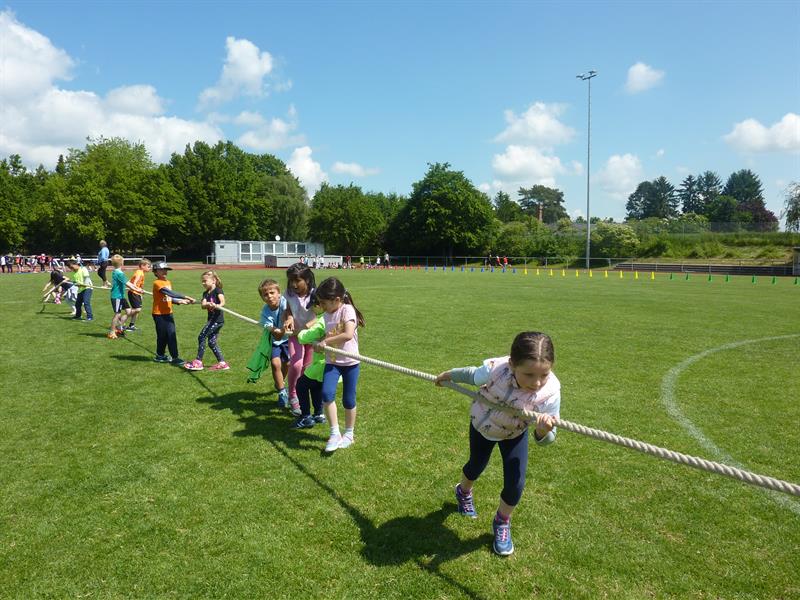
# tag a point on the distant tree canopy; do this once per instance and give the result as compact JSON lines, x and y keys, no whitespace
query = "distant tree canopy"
{"x":111,"y":189}
{"x":740,"y":201}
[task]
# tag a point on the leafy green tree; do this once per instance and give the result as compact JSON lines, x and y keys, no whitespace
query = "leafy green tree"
{"x":12,"y":225}
{"x":445,"y":214}
{"x":550,"y":200}
{"x":661,"y":202}
{"x":689,"y":196}
{"x":792,"y":207}
{"x":506,"y":209}
{"x":513,"y":239}
{"x":635,"y":207}
{"x":723,"y":209}
{"x":614,"y":240}
{"x":745,"y":186}
{"x":346,"y":220}
{"x":709,"y":186}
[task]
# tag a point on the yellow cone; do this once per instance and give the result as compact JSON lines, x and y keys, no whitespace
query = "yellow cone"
{"x":590,"y":273}
{"x":605,"y":273}
{"x":636,"y":274}
{"x":652,"y":275}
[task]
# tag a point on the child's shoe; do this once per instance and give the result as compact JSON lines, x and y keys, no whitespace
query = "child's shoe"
{"x":120,"y":331}
{"x":131,"y":328}
{"x":194,"y":365}
{"x":220,"y":366}
{"x":348,"y":439}
{"x":502,"y":537}
{"x":320,"y":419}
{"x":112,"y":335}
{"x":283,"y":398}
{"x":161,"y":358}
{"x":306,"y":422}
{"x":177,"y":361}
{"x":466,"y":506}
{"x":333,"y":443}
{"x":294,"y":406}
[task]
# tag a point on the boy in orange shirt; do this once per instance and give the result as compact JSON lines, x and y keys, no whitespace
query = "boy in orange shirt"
{"x":163,"y":299}
{"x":134,"y":298}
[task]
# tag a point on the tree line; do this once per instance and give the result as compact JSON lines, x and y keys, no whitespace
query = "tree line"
{"x":111,"y":189}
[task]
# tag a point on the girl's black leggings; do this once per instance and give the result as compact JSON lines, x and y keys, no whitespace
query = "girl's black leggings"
{"x":209,"y":332}
{"x":515,"y":462}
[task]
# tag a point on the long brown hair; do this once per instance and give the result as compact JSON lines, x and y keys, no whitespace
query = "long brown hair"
{"x":217,"y":280}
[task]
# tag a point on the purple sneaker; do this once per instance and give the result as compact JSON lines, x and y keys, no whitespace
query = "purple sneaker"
{"x":466,"y":506}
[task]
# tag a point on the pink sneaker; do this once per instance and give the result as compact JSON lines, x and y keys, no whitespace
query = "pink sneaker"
{"x":220,"y":366}
{"x":194,"y":365}
{"x":294,"y":406}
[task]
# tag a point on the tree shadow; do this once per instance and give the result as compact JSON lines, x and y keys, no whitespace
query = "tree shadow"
{"x":424,"y":540}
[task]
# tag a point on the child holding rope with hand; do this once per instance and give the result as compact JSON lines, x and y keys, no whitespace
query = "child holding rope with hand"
{"x":300,"y":287}
{"x":523,"y":380}
{"x":213,"y":299}
{"x":342,"y":318}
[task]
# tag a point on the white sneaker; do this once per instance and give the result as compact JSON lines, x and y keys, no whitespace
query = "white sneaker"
{"x":347,"y":441}
{"x":294,"y":406}
{"x":333,"y":443}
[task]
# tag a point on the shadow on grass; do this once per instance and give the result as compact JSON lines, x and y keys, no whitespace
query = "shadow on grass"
{"x":132,"y":357}
{"x":424,"y":540}
{"x":95,"y":334}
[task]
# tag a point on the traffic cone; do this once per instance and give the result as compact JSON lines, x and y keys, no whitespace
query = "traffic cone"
{"x":636,"y":274}
{"x":774,"y":280}
{"x":563,"y":272}
{"x":525,"y":272}
{"x":687,"y":276}
{"x":590,"y":273}
{"x":576,"y":273}
{"x":605,"y":274}
{"x":652,"y":275}
{"x":537,"y":272}
{"x":796,"y":282}
{"x":727,"y":277}
{"x":753,"y":280}
{"x":710,"y":278}
{"x":621,"y":276}
{"x":671,"y":276}
{"x":513,"y":270}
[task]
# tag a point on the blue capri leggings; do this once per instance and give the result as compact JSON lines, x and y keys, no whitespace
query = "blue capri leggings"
{"x":515,"y":462}
{"x":349,"y":376}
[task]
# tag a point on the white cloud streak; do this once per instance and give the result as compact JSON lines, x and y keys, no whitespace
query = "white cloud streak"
{"x":538,"y":126}
{"x":620,"y":176}
{"x":353,"y":169}
{"x":751,"y":136}
{"x":642,"y":77}
{"x":41,"y":120}
{"x":307,"y":170}
{"x":242,"y":74}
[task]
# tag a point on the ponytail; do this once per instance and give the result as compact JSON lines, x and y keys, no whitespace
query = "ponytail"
{"x":333,"y":288}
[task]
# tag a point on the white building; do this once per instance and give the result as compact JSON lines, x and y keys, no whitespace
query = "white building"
{"x":270,"y":254}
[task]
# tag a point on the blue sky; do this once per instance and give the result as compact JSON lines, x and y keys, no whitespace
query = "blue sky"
{"x":370,"y":93}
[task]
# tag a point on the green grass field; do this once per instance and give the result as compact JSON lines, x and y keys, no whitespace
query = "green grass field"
{"x":125,"y":478}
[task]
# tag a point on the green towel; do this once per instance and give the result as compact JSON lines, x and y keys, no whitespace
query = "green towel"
{"x":315,"y":333}
{"x":261,"y":357}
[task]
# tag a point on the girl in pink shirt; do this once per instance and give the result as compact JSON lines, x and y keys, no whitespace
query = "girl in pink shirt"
{"x":300,"y":288}
{"x":523,"y":380}
{"x":342,"y":319}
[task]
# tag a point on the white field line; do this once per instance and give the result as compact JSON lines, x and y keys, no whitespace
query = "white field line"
{"x":670,"y":403}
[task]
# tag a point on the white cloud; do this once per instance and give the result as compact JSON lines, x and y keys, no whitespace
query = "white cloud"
{"x":243,"y":73}
{"x":577,"y":167}
{"x":307,"y":170}
{"x":353,"y":169}
{"x":751,"y":136}
{"x":269,"y":135}
{"x":40,"y":120}
{"x":527,"y":165}
{"x":642,"y":77}
{"x":620,"y":176}
{"x":135,"y":100}
{"x":660,"y":153}
{"x":538,"y":126}
{"x":29,"y":63}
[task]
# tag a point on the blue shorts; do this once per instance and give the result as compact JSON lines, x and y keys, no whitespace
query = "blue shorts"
{"x":282,"y":351}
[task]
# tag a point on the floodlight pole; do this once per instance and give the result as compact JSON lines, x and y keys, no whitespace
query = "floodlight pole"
{"x":588,"y":78}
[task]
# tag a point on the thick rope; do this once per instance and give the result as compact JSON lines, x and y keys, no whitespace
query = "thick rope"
{"x":702,"y":464}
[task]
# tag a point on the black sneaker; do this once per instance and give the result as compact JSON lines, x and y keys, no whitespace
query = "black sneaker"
{"x":160,"y":358}
{"x":306,"y":422}
{"x":178,"y":362}
{"x":131,"y":328}
{"x":319,"y":419}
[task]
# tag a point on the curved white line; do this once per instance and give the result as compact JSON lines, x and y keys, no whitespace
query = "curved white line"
{"x":670,"y":404}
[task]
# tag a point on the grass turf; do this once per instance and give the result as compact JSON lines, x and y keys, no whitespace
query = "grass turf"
{"x":122,"y":477}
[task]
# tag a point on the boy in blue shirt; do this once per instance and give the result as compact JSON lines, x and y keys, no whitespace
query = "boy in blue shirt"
{"x":276,"y":317}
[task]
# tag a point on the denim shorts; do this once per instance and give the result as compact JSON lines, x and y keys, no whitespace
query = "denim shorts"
{"x":281,"y":350}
